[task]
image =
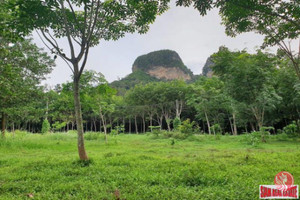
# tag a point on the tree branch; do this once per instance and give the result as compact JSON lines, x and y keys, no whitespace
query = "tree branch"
{"x":51,"y":51}
{"x":67,"y":30}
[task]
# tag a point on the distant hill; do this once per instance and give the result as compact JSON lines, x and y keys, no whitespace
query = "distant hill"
{"x":163,"y":65}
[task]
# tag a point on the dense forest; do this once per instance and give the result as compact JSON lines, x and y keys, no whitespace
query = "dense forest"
{"x":245,"y":93}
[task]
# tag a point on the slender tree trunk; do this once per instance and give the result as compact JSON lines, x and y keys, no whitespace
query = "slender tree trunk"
{"x":104,"y":124}
{"x":144,"y":124}
{"x":159,"y":120}
{"x":95,"y":126}
{"x":252,"y":127}
{"x":231,"y":126}
{"x":79,"y":123}
{"x":129,"y":120}
{"x":234,"y":124}
{"x":208,"y":125}
{"x":136,"y":126}
{"x":3,"y":124}
{"x":151,"y":122}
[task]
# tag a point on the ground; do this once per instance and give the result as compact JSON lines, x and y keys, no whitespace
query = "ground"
{"x":142,"y":167}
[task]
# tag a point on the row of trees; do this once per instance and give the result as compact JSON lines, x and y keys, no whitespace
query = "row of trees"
{"x":84,"y":23}
{"x":248,"y":91}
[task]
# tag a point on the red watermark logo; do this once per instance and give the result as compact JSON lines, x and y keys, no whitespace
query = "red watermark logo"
{"x":284,"y":180}
{"x":284,"y":188}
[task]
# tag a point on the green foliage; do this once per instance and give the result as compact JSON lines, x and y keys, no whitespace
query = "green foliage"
{"x":253,"y":138}
{"x":176,"y":123}
{"x":265,"y":133}
{"x":282,"y":137}
{"x":155,"y":129}
{"x":187,"y":127}
{"x":292,"y":130}
{"x":92,"y":136}
{"x":164,"y":58}
{"x":45,"y":126}
{"x":133,"y":79}
{"x":58,"y":125}
{"x":216,"y":128}
{"x":119,"y":129}
{"x":257,"y":137}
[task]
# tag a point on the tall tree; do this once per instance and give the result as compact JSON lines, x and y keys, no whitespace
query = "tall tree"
{"x":83,"y":24}
{"x":249,"y":80}
{"x":22,"y":66}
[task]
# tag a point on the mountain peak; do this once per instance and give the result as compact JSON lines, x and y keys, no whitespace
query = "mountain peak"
{"x":163,"y":64}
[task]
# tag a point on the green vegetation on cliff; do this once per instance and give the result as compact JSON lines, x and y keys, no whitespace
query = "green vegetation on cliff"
{"x":163,"y":58}
{"x":131,"y":80}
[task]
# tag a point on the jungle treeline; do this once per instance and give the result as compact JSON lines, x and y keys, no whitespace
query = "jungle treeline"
{"x":246,"y":92}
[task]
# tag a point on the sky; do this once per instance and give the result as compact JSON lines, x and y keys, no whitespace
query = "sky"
{"x":192,"y":36}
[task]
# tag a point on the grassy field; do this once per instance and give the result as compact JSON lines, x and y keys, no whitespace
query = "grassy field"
{"x":142,"y":167}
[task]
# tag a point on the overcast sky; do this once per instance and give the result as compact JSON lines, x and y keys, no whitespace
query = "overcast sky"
{"x":181,"y":29}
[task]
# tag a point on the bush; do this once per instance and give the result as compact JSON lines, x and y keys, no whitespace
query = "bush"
{"x":291,"y":130}
{"x":155,"y":130}
{"x":45,"y":126}
{"x":216,"y":128}
{"x":187,"y":127}
{"x":257,"y":137}
{"x":176,"y":123}
{"x":253,"y":138}
{"x":282,"y":137}
{"x":57,"y":125}
{"x":119,"y":129}
{"x":265,"y":133}
{"x":91,"y":136}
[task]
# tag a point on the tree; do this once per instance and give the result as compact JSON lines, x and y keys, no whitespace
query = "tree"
{"x":22,"y":66}
{"x":277,"y":20}
{"x":83,"y":24}
{"x":208,"y":99}
{"x":103,"y":103}
{"x":249,"y":80}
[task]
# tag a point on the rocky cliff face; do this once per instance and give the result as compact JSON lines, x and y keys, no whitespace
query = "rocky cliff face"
{"x":163,"y":64}
{"x":206,"y":70}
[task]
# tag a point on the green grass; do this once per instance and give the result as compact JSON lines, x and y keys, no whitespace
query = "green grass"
{"x":141,"y":167}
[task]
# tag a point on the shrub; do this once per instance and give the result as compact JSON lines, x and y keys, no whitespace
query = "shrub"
{"x":45,"y":126}
{"x":218,"y":136}
{"x":291,"y":130}
{"x":155,"y":129}
{"x":57,"y":125}
{"x":119,"y":129}
{"x":91,"y":136}
{"x":257,"y":137}
{"x":187,"y":127}
{"x":176,"y":123}
{"x":253,"y":138}
{"x":264,"y":133}
{"x":216,"y":128}
{"x":282,"y":137}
